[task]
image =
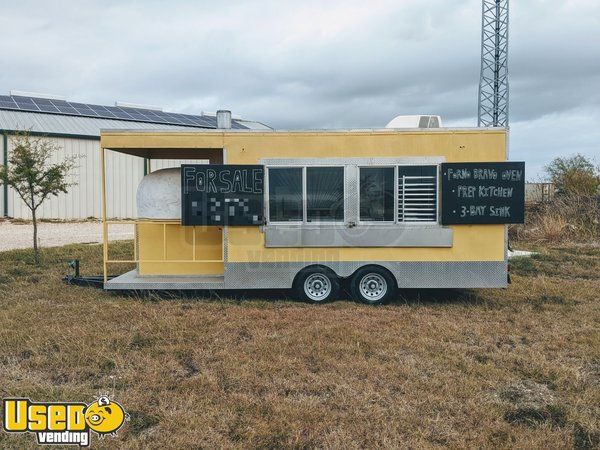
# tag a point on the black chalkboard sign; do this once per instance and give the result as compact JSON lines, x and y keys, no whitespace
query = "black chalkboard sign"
{"x":222,"y":194}
{"x":483,"y":193}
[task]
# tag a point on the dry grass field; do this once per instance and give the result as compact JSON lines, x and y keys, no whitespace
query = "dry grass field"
{"x":490,"y":368}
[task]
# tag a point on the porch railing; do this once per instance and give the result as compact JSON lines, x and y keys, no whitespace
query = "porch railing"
{"x":136,"y":259}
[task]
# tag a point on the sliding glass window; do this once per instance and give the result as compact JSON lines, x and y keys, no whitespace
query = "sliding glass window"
{"x":314,"y":193}
{"x":377,"y":194}
{"x":325,"y":194}
{"x":285,"y":194}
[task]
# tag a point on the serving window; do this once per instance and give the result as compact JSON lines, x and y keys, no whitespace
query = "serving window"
{"x":398,"y":194}
{"x":285,"y":194}
{"x":354,"y":202}
{"x":324,"y":194}
{"x":361,"y":194}
{"x":306,"y":194}
{"x":376,"y":194}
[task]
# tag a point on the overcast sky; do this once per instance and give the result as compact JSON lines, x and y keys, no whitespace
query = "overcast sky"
{"x":316,"y":64}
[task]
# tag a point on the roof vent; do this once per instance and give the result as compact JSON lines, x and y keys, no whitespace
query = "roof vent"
{"x":223,"y":119}
{"x":14,"y":93}
{"x":137,"y":106}
{"x":214,"y":114}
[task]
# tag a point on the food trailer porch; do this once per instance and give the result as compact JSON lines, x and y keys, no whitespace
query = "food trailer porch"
{"x":162,"y":247}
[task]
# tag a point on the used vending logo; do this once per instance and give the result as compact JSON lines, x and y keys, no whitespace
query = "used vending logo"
{"x":63,"y":422}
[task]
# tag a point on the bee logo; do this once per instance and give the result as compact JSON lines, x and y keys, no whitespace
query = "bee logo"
{"x":105,"y":416}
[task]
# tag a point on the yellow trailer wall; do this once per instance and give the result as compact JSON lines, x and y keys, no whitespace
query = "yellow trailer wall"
{"x":246,"y":244}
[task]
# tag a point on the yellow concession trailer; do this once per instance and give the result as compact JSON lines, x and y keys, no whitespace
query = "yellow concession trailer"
{"x":382,"y":208}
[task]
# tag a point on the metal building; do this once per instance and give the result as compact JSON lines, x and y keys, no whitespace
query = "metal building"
{"x":75,"y":128}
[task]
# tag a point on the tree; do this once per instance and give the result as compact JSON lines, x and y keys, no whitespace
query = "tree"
{"x":574,"y":176}
{"x":32,"y":175}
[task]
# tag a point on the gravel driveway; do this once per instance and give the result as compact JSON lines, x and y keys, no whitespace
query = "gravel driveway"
{"x":20,"y":235}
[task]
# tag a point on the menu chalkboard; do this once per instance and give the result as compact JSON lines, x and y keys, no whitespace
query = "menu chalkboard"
{"x":483,"y":193}
{"x":214,"y":194}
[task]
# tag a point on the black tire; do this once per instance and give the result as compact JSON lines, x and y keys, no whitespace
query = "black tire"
{"x":316,"y":285}
{"x":373,"y":285}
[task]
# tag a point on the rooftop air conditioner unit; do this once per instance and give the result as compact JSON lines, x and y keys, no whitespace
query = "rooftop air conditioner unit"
{"x":415,"y":122}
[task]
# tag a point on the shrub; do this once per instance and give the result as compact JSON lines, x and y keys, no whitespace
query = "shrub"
{"x":564,"y":219}
{"x":574,"y":176}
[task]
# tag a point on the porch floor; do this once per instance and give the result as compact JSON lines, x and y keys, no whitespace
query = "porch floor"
{"x":132,"y":280}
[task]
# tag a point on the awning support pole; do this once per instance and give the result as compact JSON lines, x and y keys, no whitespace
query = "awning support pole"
{"x":5,"y":163}
{"x":104,"y":223}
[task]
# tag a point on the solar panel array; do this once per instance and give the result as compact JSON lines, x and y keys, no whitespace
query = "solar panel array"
{"x":62,"y":107}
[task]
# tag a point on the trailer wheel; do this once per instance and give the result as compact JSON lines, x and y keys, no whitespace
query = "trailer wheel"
{"x":373,"y":285}
{"x":316,"y":285}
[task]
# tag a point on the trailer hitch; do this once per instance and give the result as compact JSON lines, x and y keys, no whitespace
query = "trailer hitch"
{"x":75,"y":277}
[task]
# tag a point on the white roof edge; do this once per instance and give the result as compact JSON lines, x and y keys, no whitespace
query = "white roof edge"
{"x":335,"y":130}
{"x":15,"y":93}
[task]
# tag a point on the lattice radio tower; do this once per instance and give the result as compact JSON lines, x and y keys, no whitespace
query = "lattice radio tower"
{"x":493,"y":83}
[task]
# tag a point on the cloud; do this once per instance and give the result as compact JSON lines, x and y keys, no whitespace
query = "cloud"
{"x":312,"y":64}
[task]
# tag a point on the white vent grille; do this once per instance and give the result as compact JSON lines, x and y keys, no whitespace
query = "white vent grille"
{"x":417,"y":198}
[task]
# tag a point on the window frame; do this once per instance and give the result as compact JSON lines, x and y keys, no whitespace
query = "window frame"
{"x":304,"y":221}
{"x":437,"y":196}
{"x":397,"y":222}
{"x":347,"y":188}
{"x":378,"y":222}
{"x":267,"y":194}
